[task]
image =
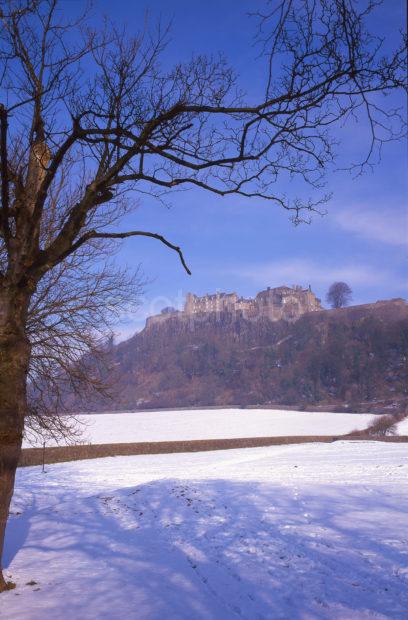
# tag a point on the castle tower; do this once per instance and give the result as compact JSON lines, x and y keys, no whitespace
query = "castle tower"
{"x":189,"y":304}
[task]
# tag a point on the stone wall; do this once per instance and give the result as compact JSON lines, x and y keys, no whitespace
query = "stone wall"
{"x":219,"y":302}
{"x":283,"y":302}
{"x":286,"y":303}
{"x":161,"y":318}
{"x":275,"y":303}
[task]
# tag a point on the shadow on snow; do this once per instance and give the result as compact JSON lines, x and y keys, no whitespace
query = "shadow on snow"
{"x":217,"y":549}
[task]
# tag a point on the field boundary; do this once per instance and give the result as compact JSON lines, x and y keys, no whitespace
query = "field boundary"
{"x":62,"y":454}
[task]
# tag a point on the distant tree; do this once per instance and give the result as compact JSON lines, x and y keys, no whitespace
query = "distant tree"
{"x":339,"y":295}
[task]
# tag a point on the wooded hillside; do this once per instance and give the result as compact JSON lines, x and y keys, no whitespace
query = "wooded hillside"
{"x":353,"y":357}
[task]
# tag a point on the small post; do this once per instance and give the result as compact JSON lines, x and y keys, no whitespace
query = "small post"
{"x":43,"y":458}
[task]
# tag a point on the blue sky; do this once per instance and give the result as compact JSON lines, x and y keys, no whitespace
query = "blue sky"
{"x":246,"y":245}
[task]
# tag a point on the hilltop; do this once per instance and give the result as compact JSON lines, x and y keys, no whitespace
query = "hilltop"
{"x":354,"y":357}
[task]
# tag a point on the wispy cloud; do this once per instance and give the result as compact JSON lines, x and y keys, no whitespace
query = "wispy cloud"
{"x":305,"y":271}
{"x":386,"y":226}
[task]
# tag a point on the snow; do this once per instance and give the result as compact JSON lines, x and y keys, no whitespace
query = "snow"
{"x":311,"y":531}
{"x":147,"y":426}
{"x":402,"y":427}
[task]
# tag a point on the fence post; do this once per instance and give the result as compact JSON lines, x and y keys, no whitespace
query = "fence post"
{"x":43,"y":458}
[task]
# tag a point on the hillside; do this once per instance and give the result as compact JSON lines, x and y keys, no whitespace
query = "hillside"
{"x":355,"y":356}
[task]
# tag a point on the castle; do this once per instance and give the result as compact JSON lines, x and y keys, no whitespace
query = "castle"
{"x":283,"y":302}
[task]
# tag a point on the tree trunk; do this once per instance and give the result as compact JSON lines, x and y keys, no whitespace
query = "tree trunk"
{"x":14,"y":359}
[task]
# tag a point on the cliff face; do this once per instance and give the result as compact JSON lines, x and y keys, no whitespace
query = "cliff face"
{"x":352,"y":355}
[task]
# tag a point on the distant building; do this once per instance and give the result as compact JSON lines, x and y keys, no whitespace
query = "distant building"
{"x":219,"y":302}
{"x":278,"y":303}
{"x":281,"y":303}
{"x":286,"y":303}
{"x":168,"y":310}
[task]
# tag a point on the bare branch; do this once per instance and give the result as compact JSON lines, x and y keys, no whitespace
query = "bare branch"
{"x":133,"y":233}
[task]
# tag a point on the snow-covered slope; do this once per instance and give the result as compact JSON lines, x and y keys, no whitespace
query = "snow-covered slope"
{"x":214,"y":424}
{"x":289,"y":532}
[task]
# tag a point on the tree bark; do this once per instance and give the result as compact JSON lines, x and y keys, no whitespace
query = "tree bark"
{"x":14,"y":359}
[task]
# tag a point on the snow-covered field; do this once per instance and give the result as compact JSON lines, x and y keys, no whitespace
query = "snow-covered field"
{"x":294,"y":532}
{"x":148,"y":426}
{"x":402,"y":427}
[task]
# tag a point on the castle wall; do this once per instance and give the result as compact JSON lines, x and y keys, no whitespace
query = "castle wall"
{"x":219,"y":302}
{"x":278,"y":303}
{"x":161,"y":318}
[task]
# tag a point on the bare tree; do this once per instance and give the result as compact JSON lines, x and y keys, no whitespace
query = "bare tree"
{"x":69,"y":327}
{"x":70,"y":320}
{"x":339,"y":295}
{"x":120,"y":125}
